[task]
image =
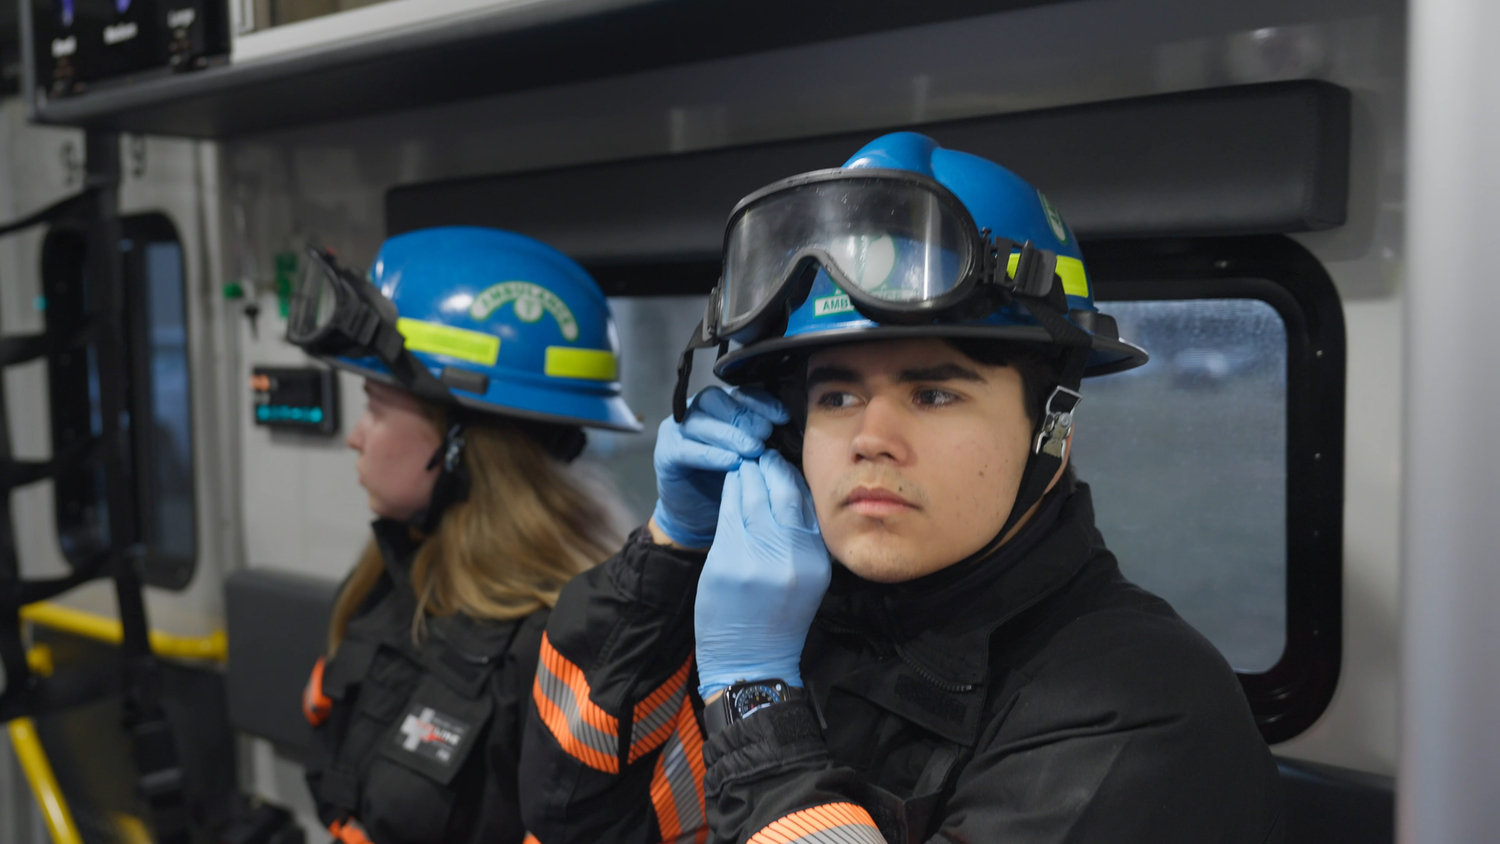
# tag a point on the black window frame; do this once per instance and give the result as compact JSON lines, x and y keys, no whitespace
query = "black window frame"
{"x":1289,"y":697}
{"x":78,"y":483}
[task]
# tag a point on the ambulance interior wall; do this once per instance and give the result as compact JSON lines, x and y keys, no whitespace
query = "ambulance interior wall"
{"x":178,"y":178}
{"x":286,"y":501}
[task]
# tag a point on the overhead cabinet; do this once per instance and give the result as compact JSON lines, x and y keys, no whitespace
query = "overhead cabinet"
{"x":403,"y":54}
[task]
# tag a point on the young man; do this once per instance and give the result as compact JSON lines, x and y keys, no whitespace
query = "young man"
{"x":927,"y":639}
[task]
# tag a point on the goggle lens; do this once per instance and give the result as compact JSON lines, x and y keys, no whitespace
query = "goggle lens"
{"x":314,"y":311}
{"x":893,"y":240}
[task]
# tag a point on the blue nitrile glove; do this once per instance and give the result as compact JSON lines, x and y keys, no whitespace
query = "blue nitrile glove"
{"x":721,"y":429}
{"x":764,"y":579}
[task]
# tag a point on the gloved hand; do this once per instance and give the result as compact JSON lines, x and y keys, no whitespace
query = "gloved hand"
{"x":721,"y":429}
{"x":764,"y":579}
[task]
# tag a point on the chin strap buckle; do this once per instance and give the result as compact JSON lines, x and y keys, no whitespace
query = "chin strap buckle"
{"x":454,"y":450}
{"x":1057,"y":423}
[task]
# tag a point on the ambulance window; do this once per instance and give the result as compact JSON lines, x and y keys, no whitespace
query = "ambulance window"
{"x":652,"y":332}
{"x":160,"y":419}
{"x":1186,"y":457}
{"x":170,"y":528}
{"x":1217,"y":468}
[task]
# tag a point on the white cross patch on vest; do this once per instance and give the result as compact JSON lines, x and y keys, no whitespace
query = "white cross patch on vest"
{"x":431,"y":734}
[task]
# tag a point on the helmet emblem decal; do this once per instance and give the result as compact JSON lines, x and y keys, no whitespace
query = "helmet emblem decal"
{"x":531,"y":301}
{"x":1054,"y":219}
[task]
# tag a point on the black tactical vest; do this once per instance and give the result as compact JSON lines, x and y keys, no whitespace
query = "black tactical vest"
{"x":402,"y":749}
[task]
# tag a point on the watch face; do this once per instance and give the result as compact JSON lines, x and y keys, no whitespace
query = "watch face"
{"x":747,"y":699}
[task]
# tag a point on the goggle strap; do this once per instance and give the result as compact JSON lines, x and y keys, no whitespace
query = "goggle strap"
{"x":701,"y":339}
{"x":390,"y":347}
{"x":1035,"y":271}
{"x":364,"y":326}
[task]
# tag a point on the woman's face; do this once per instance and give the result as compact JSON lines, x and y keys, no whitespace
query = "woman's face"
{"x":395,"y":442}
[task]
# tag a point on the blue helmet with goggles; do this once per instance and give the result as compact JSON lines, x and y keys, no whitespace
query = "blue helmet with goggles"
{"x":908,"y":240}
{"x":486,"y":319}
{"x":482,"y":320}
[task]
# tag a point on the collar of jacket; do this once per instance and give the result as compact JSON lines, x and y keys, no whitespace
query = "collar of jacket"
{"x":941,"y":624}
{"x":459,"y":648}
{"x":398,"y":543}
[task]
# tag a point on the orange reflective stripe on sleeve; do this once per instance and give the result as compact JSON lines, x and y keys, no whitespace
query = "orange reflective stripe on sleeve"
{"x":315,"y":704}
{"x":677,"y":782}
{"x":586,"y":732}
{"x":654,"y":718}
{"x":832,"y":823}
{"x":348,"y":831}
{"x":530,"y":839}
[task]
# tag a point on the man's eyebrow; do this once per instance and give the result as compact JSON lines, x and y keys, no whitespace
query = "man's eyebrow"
{"x":825,"y":374}
{"x":941,"y":372}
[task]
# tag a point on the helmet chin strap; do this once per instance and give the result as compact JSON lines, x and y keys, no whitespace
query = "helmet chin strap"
{"x":452,"y":484}
{"x":1054,"y":424}
{"x":562,"y":442}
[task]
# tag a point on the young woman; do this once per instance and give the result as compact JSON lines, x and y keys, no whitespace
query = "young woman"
{"x":485,"y":353}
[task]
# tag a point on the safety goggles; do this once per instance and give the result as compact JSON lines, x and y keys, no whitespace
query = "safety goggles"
{"x":334,"y":312}
{"x":899,"y":244}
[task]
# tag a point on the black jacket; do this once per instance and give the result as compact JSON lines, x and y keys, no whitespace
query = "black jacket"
{"x":417,"y":744}
{"x":1031,"y":696}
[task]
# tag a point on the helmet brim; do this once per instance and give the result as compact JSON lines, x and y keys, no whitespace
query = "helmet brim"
{"x":756,"y":362}
{"x":615,"y":414}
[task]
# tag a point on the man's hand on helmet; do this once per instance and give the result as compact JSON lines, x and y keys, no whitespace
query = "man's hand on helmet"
{"x":764,"y":579}
{"x":722,"y":428}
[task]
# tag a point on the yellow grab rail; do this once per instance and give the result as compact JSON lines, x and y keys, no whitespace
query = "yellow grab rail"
{"x":214,"y":646}
{"x":39,"y":660}
{"x":23,"y":736}
{"x":38,"y":770}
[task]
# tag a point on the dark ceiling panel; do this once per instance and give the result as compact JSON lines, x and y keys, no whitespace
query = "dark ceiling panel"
{"x":1254,"y":159}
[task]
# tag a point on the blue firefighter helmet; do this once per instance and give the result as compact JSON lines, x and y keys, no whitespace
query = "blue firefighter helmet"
{"x":907,"y":225}
{"x":506,"y":323}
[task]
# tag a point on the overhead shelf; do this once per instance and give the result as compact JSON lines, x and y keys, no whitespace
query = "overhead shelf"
{"x":512,"y":48}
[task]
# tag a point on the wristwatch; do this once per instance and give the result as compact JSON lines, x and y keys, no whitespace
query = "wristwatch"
{"x":742,"y":699}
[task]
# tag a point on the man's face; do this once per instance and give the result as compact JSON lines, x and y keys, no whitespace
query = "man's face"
{"x":913,"y":453}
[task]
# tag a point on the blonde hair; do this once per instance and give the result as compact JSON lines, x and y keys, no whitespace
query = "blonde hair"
{"x":529,"y":525}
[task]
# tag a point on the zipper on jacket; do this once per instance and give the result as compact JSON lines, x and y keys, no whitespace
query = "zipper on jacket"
{"x":927,"y":674}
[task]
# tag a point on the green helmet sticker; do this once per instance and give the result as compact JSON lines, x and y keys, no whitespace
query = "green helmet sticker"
{"x":1054,"y":219}
{"x":532,"y":300}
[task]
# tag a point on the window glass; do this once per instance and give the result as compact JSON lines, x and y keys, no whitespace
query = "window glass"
{"x":653,"y":331}
{"x":1187,"y":460}
{"x":171,"y":434}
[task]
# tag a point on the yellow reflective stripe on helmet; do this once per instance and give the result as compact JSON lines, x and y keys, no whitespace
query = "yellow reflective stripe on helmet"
{"x":591,"y":364}
{"x":1070,"y":270}
{"x":472,"y":346}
